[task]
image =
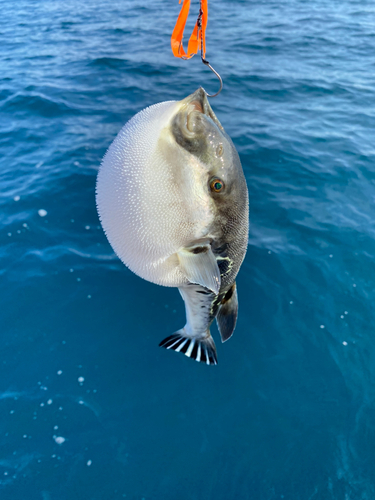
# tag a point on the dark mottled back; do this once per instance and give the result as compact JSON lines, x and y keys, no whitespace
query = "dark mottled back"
{"x":198,"y":131}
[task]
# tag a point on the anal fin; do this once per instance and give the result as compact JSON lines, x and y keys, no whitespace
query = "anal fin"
{"x":227,"y":315}
{"x":200,"y":349}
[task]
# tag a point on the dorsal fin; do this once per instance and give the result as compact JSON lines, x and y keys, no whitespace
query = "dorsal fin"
{"x":227,"y":315}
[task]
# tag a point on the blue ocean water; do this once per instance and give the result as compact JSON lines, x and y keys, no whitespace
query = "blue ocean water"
{"x":90,"y":407}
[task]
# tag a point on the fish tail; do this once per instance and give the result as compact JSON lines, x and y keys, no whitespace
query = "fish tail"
{"x":200,"y":349}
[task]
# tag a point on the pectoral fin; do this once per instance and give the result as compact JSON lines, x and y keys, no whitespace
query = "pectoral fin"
{"x":199,"y":265}
{"x":227,"y":315}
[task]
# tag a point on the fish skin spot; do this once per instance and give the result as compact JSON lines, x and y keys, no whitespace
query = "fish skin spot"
{"x":198,"y":250}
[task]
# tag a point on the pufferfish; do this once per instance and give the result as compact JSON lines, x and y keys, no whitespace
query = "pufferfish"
{"x":173,"y":202}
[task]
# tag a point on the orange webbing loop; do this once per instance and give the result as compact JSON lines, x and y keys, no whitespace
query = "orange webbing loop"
{"x":198,"y":37}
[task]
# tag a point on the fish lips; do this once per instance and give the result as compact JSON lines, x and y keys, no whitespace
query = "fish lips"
{"x":193,"y":120}
{"x":200,"y":103}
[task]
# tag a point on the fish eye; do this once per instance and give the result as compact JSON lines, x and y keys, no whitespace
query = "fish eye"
{"x":219,"y":150}
{"x":216,"y":185}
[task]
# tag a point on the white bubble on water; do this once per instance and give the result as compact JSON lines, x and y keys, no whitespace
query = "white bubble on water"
{"x":89,"y":296}
{"x":9,"y":234}
{"x":81,"y":380}
{"x":346,"y":312}
{"x":17,"y":198}
{"x":344,"y":343}
{"x":59,"y":372}
{"x":89,"y":462}
{"x":354,"y":285}
{"x":322,"y":326}
{"x":87,"y":227}
{"x":49,"y":402}
{"x":56,"y":427}
{"x":342,"y":316}
{"x":42,"y":212}
{"x":59,"y":439}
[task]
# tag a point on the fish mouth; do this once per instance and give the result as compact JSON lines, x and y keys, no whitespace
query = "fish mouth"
{"x":194,"y":114}
{"x":198,"y":103}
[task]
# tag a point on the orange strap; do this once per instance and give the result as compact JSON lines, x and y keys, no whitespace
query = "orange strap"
{"x":198,"y":37}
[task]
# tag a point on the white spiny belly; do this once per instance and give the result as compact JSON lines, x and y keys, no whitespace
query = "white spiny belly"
{"x":151,"y":204}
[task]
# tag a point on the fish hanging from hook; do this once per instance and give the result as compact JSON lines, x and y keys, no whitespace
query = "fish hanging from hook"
{"x":174,"y":245}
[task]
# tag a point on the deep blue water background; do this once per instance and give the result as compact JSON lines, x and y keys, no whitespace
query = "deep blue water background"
{"x":289,"y":412}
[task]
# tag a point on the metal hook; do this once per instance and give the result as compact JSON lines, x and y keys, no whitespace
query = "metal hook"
{"x":204,"y":61}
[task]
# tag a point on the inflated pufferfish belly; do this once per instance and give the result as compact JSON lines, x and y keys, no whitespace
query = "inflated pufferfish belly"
{"x":173,"y":202}
{"x":148,"y":210}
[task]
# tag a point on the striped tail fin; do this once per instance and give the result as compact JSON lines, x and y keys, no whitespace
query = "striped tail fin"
{"x":200,"y":349}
